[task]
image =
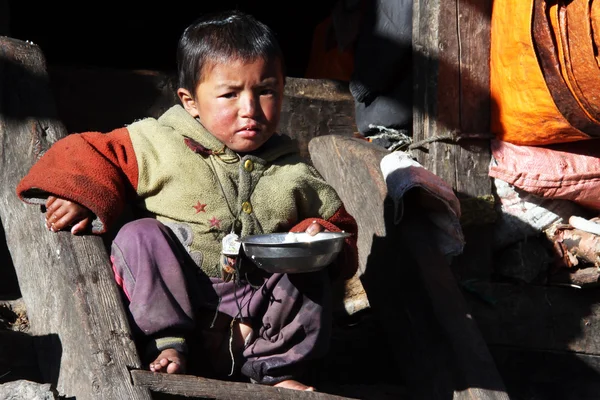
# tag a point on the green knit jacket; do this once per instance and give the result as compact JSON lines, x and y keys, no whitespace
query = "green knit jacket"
{"x":203,"y":190}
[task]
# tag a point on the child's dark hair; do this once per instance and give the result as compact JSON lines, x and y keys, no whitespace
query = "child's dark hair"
{"x":221,"y":37}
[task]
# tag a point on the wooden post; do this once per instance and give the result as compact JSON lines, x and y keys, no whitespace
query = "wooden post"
{"x":451,"y":52}
{"x":83,"y":340}
{"x":451,"y":89}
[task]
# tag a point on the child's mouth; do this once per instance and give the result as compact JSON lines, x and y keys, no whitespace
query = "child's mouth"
{"x":249,"y":130}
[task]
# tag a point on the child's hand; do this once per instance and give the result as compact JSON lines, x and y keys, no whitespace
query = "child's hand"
{"x":64,"y":214}
{"x":314,"y":228}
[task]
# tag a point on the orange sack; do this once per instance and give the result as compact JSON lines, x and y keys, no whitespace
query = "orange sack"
{"x":544,"y":71}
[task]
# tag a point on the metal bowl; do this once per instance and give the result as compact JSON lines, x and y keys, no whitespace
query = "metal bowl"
{"x":293,"y":252}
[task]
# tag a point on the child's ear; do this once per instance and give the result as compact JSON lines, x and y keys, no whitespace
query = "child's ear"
{"x":187,"y":101}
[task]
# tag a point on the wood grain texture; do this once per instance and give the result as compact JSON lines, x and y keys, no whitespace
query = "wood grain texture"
{"x":451,"y":58}
{"x":85,"y":347}
{"x":451,"y":48}
{"x":197,"y":387}
{"x":352,"y":167}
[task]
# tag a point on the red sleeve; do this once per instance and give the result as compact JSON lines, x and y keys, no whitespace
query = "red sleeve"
{"x":347,"y":263}
{"x":96,"y":170}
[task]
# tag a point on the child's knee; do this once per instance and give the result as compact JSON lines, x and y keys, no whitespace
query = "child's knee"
{"x":139,"y":227}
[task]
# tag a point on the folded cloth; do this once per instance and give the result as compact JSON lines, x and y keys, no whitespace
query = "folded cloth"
{"x":544,"y":67}
{"x":437,"y":199}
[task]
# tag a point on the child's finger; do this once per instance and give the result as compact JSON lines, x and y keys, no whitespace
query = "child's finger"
{"x":80,"y":226}
{"x":54,"y":216}
{"x":314,"y":228}
{"x":53,"y":209}
{"x":50,"y":200}
{"x":62,"y":219}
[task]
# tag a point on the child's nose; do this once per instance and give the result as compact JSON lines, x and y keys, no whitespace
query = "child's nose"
{"x":248,"y":106}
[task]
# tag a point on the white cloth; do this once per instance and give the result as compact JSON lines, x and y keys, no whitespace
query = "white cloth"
{"x":523,"y":214}
{"x":438,"y":201}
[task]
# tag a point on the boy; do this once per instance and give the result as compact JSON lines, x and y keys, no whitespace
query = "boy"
{"x":205,"y":173}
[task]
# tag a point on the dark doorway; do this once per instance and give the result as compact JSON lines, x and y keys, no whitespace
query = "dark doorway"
{"x":136,"y":35}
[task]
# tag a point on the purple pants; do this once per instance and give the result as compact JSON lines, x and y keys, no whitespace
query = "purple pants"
{"x":167,"y":292}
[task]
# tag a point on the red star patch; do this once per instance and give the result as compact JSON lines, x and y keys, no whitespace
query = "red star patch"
{"x":199,"y":207}
{"x":215,"y":223}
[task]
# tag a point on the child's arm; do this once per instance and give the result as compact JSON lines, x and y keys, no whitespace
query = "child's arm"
{"x":97,"y":171}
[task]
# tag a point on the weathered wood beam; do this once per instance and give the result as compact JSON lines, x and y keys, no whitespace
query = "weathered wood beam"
{"x":451,"y":41}
{"x":351,"y":166}
{"x":75,"y":311}
{"x":451,"y":51}
{"x":193,"y":386}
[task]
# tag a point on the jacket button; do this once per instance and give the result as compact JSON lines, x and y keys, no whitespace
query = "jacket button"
{"x":248,"y":165}
{"x":246,"y":207}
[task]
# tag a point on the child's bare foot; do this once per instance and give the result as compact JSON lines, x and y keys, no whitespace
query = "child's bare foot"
{"x":169,"y":361}
{"x":295,"y":385}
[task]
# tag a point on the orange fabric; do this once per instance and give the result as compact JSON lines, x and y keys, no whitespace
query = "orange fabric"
{"x":347,"y":262}
{"x":531,"y":103}
{"x":87,"y":168}
{"x":595,"y":16}
{"x":327,"y":61}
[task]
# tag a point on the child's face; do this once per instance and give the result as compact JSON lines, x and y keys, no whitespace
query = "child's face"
{"x":238,"y":102}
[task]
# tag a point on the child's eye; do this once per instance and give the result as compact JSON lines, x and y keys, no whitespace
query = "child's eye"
{"x":267,"y":92}
{"x":229,"y":95}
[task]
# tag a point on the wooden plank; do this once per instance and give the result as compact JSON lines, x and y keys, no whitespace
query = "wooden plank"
{"x":451,"y":52}
{"x":316,"y":107}
{"x":351,"y":166}
{"x":85,"y":345}
{"x":193,"y":386}
{"x":114,"y":98}
{"x":451,"y":67}
{"x":332,"y":155}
